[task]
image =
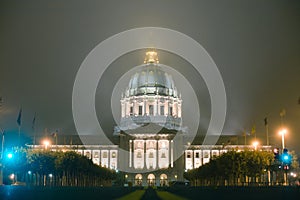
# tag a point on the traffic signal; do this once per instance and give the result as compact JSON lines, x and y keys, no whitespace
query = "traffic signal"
{"x":276,"y":154}
{"x":286,"y":158}
{"x":10,"y":155}
{"x":286,"y":167}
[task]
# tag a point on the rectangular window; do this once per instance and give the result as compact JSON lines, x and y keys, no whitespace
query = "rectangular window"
{"x":151,"y":110}
{"x":197,"y":155}
{"x":170,"y":110}
{"x":151,"y":155}
{"x":140,"y":110}
{"x":113,"y":154}
{"x":88,"y":154}
{"x":104,"y":154}
{"x":188,"y":155}
{"x":131,"y":110}
{"x":162,"y":110}
{"x":206,"y":155}
{"x":139,"y":154}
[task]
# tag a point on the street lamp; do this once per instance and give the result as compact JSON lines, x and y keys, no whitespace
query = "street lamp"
{"x":1,"y":158}
{"x":282,"y":132}
{"x":46,"y":143}
{"x":255,"y":144}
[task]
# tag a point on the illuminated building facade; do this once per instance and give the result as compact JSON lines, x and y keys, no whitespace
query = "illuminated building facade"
{"x":151,"y":116}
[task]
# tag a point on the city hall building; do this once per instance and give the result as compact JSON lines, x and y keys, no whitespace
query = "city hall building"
{"x":151,"y":116}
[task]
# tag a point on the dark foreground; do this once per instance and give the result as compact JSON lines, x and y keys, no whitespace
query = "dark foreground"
{"x":74,"y":193}
{"x":241,"y":193}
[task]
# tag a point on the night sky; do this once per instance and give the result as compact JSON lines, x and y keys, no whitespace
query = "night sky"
{"x":255,"y":44}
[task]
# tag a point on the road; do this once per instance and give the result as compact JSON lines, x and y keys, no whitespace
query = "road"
{"x":132,"y":193}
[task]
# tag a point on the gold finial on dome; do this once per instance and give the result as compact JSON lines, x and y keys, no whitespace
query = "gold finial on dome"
{"x":151,"y":57}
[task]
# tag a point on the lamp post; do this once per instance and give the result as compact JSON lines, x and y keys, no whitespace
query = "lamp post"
{"x":282,"y":132}
{"x":1,"y":158}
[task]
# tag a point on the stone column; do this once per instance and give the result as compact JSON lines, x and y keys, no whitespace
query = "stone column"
{"x":145,"y":102}
{"x":130,"y":153}
{"x":157,"y":154}
{"x":134,"y":107}
{"x":171,"y":156}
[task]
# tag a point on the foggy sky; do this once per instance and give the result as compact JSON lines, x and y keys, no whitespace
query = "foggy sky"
{"x":255,"y":44}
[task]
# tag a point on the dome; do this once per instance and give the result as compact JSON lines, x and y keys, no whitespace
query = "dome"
{"x":151,"y":80}
{"x":151,"y":97}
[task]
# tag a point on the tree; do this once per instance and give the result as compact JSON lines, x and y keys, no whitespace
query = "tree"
{"x":232,"y":168}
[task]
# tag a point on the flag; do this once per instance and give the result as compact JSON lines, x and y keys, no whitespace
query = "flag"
{"x":54,"y":134}
{"x":266,"y":121}
{"x":19,"y":119}
{"x":253,"y":130}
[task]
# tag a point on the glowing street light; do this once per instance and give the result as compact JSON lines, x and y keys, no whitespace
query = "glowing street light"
{"x":293,"y":174}
{"x":282,"y":132}
{"x":12,"y":176}
{"x":10,"y":155}
{"x":46,"y":143}
{"x":255,"y":144}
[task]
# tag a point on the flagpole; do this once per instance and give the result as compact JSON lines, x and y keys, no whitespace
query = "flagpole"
{"x":267,"y":132}
{"x":19,"y":145}
{"x":2,"y":151}
{"x":34,"y":139}
{"x":33,"y":129}
{"x":19,"y":122}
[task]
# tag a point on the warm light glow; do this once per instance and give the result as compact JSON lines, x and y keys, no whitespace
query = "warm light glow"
{"x":151,"y":57}
{"x":282,"y":132}
{"x":46,"y":143}
{"x":126,"y":176}
{"x":255,"y":144}
{"x":12,"y":176}
{"x":176,"y":176}
{"x":293,"y":174}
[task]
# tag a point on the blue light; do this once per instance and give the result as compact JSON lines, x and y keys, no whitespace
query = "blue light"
{"x":10,"y":155}
{"x":286,"y":159}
